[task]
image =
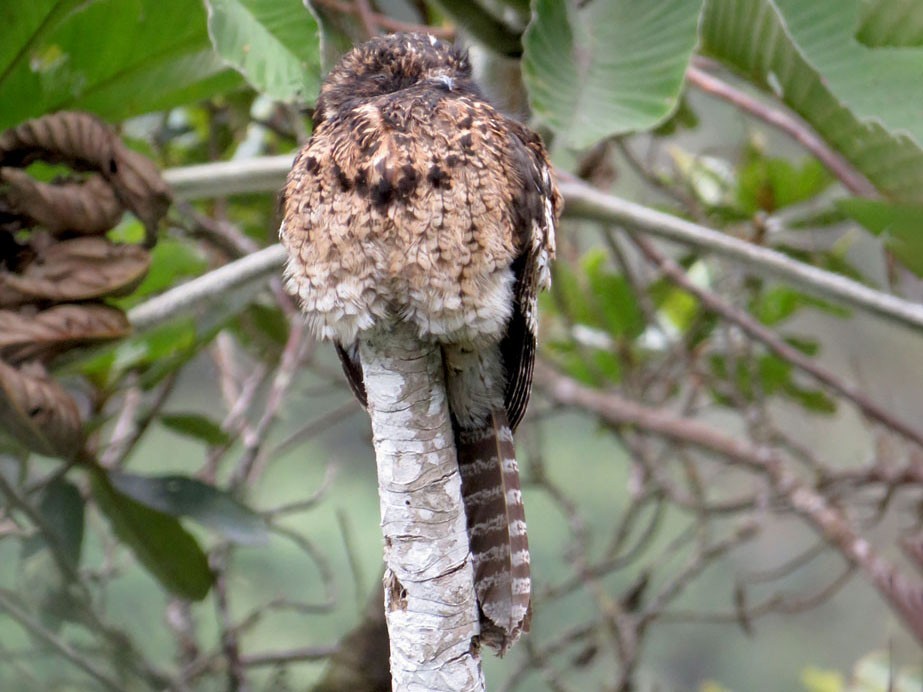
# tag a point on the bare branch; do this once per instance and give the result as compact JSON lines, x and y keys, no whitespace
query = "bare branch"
{"x":788,"y":123}
{"x":8,"y":603}
{"x":777,"y":344}
{"x":206,"y":288}
{"x":582,"y":201}
{"x":904,"y":597}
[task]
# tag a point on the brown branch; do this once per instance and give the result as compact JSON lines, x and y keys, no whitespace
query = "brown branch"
{"x":775,"y":343}
{"x":275,"y":658}
{"x":904,"y":596}
{"x":364,"y":11}
{"x":389,"y":23}
{"x":790,"y":124}
{"x":50,"y":639}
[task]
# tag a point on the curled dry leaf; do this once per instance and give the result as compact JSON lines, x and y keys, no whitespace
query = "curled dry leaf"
{"x":80,"y":140}
{"x":88,"y":207}
{"x":36,"y":411}
{"x":138,"y":184}
{"x":51,"y":332}
{"x":86,"y":143}
{"x":78,"y":269}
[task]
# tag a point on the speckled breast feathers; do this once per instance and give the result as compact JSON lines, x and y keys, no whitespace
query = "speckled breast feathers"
{"x":416,"y":200}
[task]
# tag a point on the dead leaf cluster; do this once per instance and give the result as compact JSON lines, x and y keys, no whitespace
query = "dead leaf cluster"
{"x":57,"y":266}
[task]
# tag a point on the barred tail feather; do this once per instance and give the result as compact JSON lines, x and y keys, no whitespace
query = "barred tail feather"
{"x":496,"y":530}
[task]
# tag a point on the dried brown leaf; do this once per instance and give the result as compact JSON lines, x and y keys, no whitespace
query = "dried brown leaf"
{"x":36,"y":411}
{"x":77,"y":269}
{"x":57,"y":329}
{"x":138,"y":183}
{"x":85,"y":142}
{"x":80,"y":140}
{"x":88,"y":207}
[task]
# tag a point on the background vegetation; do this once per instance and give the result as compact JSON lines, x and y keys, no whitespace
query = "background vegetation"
{"x":724,"y":455}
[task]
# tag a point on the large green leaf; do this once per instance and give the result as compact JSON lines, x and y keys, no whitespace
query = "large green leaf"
{"x":62,"y":508}
{"x":116,"y":58}
{"x":891,"y":23}
{"x":181,"y":496}
{"x":900,"y":225}
{"x":607,"y":67}
{"x":864,"y":102}
{"x":197,"y":426}
{"x":159,"y":541}
{"x":273,"y":43}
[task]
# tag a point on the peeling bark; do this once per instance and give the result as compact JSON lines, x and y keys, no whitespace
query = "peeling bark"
{"x":430,"y":602}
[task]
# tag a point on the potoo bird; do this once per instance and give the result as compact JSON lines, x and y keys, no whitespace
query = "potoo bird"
{"x":416,"y":200}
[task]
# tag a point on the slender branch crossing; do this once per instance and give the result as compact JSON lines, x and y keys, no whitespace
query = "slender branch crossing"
{"x":586,"y":202}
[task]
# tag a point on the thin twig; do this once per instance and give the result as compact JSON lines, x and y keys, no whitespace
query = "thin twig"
{"x":901,"y":594}
{"x":367,"y":17}
{"x":582,"y":201}
{"x":586,"y":202}
{"x":788,"y":123}
{"x":81,"y":661}
{"x":775,"y":343}
{"x":275,"y":658}
{"x":206,"y":288}
{"x":389,"y":23}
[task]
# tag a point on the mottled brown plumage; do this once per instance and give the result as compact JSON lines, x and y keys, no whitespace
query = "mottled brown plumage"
{"x":416,"y":200}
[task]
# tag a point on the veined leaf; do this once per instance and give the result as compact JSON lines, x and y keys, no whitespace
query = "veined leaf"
{"x":274,"y":44}
{"x":181,"y":496}
{"x":197,"y":426}
{"x":62,"y":508}
{"x":900,"y":225}
{"x":607,"y":67}
{"x":159,"y":541}
{"x":155,"y":55}
{"x":865,"y":103}
{"x":891,"y":23}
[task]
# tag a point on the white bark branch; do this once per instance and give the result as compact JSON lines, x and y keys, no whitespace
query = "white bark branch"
{"x":589,"y":203}
{"x":206,"y":288}
{"x":267,"y":174}
{"x":430,"y":602}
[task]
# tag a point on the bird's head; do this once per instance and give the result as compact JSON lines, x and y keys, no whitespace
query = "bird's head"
{"x":389,"y":64}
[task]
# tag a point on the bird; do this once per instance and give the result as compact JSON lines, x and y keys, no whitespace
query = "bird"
{"x":417,"y":200}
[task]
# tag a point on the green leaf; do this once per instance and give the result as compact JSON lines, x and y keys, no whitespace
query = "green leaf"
{"x":818,"y":680}
{"x":585,"y":364}
{"x":900,"y":225}
{"x":613,"y":297}
{"x":679,"y":308}
{"x":174,"y":342}
{"x":195,"y":425}
{"x":570,"y":295}
{"x":263,"y":330}
{"x":768,"y":184}
{"x":274,"y":44}
{"x":894,"y":23}
{"x":778,"y":303}
{"x":181,"y":496}
{"x":161,"y":544}
{"x":607,"y":67}
{"x":865,"y":103}
{"x":808,"y":347}
{"x":62,"y":508}
{"x":155,"y":55}
{"x":42,"y":582}
{"x":171,"y":260}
